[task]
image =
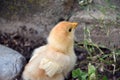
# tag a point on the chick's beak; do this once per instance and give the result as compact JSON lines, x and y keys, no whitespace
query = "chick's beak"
{"x":74,"y":24}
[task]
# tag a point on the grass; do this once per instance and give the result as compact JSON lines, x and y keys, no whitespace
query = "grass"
{"x":100,"y":60}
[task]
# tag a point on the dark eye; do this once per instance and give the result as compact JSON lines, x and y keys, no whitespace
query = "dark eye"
{"x":70,"y":29}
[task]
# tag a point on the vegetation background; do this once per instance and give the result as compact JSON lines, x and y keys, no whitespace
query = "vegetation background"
{"x":97,"y":42}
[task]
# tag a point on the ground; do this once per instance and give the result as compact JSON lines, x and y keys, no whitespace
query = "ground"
{"x":25,"y":46}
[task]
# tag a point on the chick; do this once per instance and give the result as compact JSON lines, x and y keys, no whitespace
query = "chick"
{"x":56,"y":59}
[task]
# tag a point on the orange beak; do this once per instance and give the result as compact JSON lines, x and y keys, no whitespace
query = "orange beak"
{"x":75,"y":24}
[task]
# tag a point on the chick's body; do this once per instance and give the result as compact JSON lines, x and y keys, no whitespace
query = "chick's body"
{"x":57,"y":58}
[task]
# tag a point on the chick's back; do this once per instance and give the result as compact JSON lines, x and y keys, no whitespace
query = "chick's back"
{"x":32,"y":69}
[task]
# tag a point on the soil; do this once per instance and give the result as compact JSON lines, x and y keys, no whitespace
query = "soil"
{"x":25,"y":46}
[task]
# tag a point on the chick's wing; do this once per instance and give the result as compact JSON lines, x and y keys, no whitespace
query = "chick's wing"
{"x":50,"y":67}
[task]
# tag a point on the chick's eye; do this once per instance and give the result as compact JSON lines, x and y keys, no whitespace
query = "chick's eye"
{"x":70,"y":29}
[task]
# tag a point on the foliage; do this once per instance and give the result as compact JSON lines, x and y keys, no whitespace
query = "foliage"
{"x":91,"y":72}
{"x":104,"y":78}
{"x":81,"y":75}
{"x":95,"y":53}
{"x":102,"y":58}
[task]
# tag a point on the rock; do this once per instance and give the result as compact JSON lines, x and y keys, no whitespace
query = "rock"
{"x":103,"y":27}
{"x":44,"y":14}
{"x":11,"y":63}
{"x":93,"y":16}
{"x":41,"y":15}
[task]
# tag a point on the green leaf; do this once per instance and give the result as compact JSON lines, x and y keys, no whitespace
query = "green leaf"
{"x":84,"y":76}
{"x":76,"y":73}
{"x":105,"y":78}
{"x":79,"y":74}
{"x":93,"y":77}
{"x":91,"y":69}
{"x":91,"y":72}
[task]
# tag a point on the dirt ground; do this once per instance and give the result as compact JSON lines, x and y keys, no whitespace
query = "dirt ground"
{"x":25,"y":46}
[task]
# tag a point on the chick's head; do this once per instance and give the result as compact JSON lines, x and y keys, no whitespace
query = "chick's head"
{"x":62,"y":35}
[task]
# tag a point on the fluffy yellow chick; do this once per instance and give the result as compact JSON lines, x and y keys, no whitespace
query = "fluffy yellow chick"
{"x":56,"y":59}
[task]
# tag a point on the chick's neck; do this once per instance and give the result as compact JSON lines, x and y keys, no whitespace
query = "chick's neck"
{"x":62,"y":47}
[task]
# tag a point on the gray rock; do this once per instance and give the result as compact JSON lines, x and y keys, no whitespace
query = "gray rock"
{"x":11,"y":63}
{"x":107,"y":35}
{"x":44,"y":15}
{"x":104,"y":27}
{"x":93,"y":16}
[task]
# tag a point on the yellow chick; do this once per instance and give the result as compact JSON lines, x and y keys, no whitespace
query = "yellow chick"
{"x":57,"y":58}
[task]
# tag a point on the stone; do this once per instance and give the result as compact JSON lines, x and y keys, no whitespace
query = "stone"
{"x":93,"y":16}
{"x":11,"y":63}
{"x":103,"y":28}
{"x":41,"y":15}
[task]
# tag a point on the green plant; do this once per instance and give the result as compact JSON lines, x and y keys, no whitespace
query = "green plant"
{"x":91,"y":72}
{"x":91,"y":47}
{"x":81,"y":75}
{"x":88,"y":42}
{"x":104,"y":78}
{"x":97,"y":55}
